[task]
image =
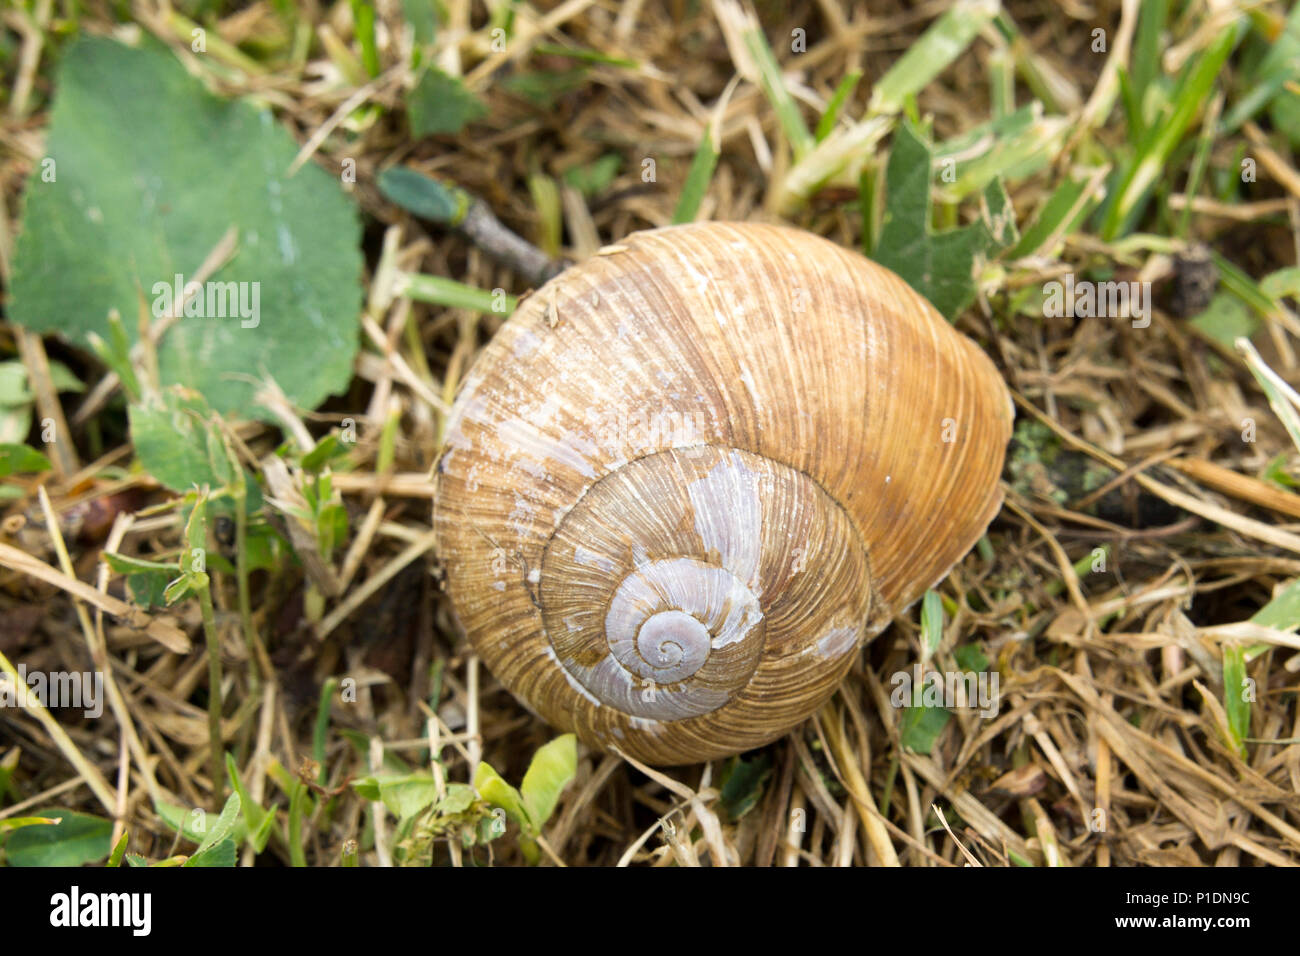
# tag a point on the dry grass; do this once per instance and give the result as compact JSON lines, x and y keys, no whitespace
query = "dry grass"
{"x":1112,"y":682}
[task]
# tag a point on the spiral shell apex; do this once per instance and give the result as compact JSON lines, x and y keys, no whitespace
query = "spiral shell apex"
{"x":689,"y":477}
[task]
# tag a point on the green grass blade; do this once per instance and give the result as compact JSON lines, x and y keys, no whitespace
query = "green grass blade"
{"x":437,"y":290}
{"x":944,"y":41}
{"x":697,"y":179}
{"x":836,"y":105}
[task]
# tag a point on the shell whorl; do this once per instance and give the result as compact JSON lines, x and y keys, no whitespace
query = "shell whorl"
{"x":668,"y":582}
{"x":686,"y":480}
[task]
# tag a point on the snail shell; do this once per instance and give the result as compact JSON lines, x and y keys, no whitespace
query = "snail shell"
{"x":690,"y":477}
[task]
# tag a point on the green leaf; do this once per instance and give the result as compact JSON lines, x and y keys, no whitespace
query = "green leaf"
{"x":496,"y":791}
{"x":76,"y":839}
{"x":742,"y":784}
{"x":171,"y":439}
{"x":969,"y":657}
{"x":1235,"y":700}
{"x":1284,"y":111}
{"x":409,"y":795}
{"x":543,"y":87}
{"x":931,"y":53}
{"x":1225,"y":320}
{"x":115,"y":858}
{"x":940,"y":266}
{"x":152,"y":171}
{"x":931,"y":624}
{"x":146,"y":580}
{"x":552,"y":767}
{"x":843,"y":91}
{"x":423,"y":195}
{"x":1069,"y":205}
{"x":460,"y":797}
{"x":593,"y":178}
{"x":221,"y":854}
{"x":13,"y":384}
{"x":224,"y":825}
{"x":64,"y":380}
{"x":1125,"y":205}
{"x":19,"y":459}
{"x":697,"y":178}
{"x":180,"y":820}
{"x":17,"y":823}
{"x":441,"y":104}
{"x":1283,"y":611}
{"x":1280,"y":65}
{"x":921,"y":726}
{"x":326,"y":450}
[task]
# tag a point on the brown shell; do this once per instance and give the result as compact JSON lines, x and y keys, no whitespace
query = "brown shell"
{"x":690,"y":477}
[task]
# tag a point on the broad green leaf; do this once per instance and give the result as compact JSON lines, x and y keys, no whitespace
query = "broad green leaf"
{"x":1225,"y":320}
{"x":409,"y":795}
{"x":64,"y":380}
{"x":224,"y":825}
{"x":326,"y":450}
{"x":220,"y":854}
{"x":552,"y":767}
{"x":76,"y":839}
{"x":150,"y":172}
{"x":146,"y":580}
{"x":180,"y":444}
{"x":595,"y":177}
{"x":1283,"y":612}
{"x":13,"y":384}
{"x":940,"y":266}
{"x":921,"y":726}
{"x":1282,"y":283}
{"x":1284,"y":111}
{"x":441,"y":104}
{"x":460,"y":797}
{"x":20,"y":459}
{"x":496,"y":791}
{"x":422,"y":16}
{"x":969,"y":657}
{"x":171,"y":438}
{"x":179,"y":819}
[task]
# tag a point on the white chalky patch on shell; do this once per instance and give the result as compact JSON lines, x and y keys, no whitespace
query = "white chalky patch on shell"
{"x":521,"y":516}
{"x":728,"y":517}
{"x":470,"y":411}
{"x":530,"y":440}
{"x":836,"y":642}
{"x":499,"y":585}
{"x":592,"y":559}
{"x":525,"y":344}
{"x":648,"y":724}
{"x":747,"y":377}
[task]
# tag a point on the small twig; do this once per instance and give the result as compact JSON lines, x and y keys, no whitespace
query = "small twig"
{"x":481,"y":227}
